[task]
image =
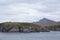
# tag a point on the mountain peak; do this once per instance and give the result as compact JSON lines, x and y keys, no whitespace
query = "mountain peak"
{"x":44,"y":21}
{"x":44,"y":18}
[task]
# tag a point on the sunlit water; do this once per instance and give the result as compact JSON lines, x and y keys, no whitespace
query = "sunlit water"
{"x":30,"y":36}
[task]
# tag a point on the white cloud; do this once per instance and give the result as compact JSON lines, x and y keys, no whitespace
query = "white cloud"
{"x":29,"y":11}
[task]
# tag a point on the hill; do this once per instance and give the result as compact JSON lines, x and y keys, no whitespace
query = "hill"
{"x":44,"y":21}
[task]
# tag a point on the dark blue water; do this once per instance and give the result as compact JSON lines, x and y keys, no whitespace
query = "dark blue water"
{"x":30,"y":36}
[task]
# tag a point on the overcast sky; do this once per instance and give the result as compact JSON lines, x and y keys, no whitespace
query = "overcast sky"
{"x":29,"y":10}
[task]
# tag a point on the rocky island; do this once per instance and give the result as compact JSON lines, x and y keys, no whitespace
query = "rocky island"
{"x":43,"y":25}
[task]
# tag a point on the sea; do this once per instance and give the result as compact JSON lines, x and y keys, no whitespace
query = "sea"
{"x":54,"y":35}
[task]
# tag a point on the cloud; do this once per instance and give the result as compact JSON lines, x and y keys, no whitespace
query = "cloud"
{"x":29,"y":11}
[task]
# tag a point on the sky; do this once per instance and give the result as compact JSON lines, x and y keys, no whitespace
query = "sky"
{"x":29,"y":10}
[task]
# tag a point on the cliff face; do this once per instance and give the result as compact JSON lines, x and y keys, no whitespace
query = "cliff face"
{"x":19,"y":27}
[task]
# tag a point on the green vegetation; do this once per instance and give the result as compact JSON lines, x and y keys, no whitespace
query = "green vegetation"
{"x":21,"y":26}
{"x":7,"y":26}
{"x":52,"y":26}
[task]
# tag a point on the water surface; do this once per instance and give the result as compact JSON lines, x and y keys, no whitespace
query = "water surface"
{"x":30,"y":36}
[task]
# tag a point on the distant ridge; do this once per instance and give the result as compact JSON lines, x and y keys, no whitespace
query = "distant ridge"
{"x":44,"y":21}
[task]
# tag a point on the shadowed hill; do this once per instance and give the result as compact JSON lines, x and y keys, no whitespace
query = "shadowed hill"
{"x":44,"y":21}
{"x":48,"y":24}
